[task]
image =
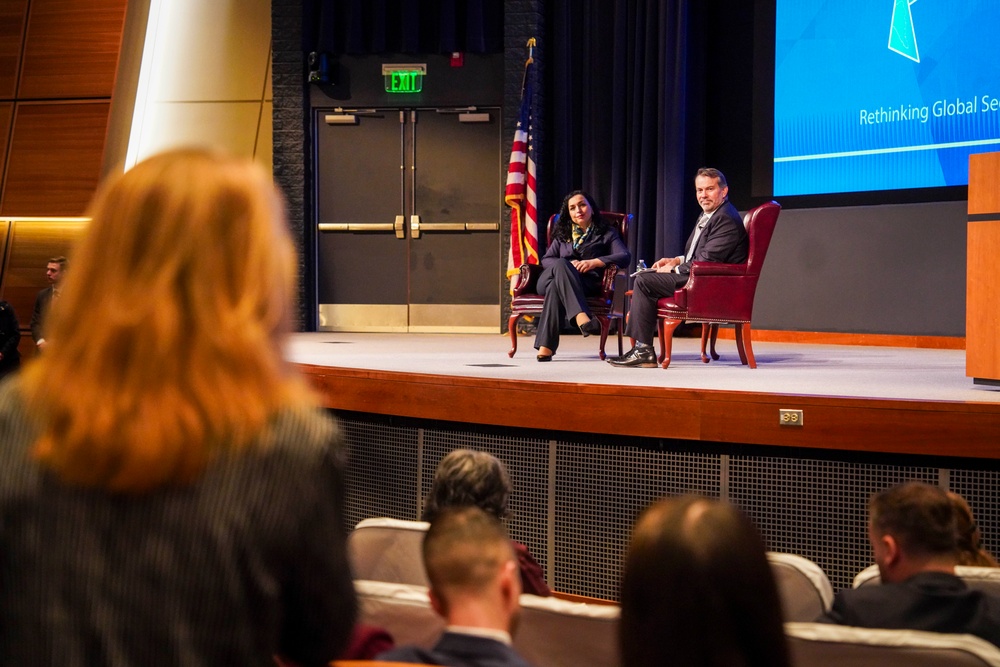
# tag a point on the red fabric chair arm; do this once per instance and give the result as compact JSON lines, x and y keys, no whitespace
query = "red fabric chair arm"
{"x":724,"y":298}
{"x":717,"y":269}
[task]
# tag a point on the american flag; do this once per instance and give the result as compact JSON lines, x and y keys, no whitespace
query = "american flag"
{"x":520,"y":191}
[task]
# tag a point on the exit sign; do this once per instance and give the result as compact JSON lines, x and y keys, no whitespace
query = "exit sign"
{"x":404,"y":78}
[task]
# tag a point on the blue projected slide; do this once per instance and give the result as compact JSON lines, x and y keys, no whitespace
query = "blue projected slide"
{"x":883,"y":94}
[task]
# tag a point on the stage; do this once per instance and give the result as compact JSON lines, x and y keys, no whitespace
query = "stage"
{"x":589,"y":445}
{"x":867,"y":398}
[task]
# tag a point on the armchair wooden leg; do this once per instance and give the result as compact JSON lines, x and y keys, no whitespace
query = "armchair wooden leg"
{"x":512,"y":330}
{"x":744,"y":345}
{"x":706,"y":330}
{"x":666,"y":340}
{"x":715,"y":337}
{"x":659,"y":334}
{"x":605,"y":327}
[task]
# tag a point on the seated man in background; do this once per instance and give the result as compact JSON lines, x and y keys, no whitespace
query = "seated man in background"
{"x":475,"y":587}
{"x":912,"y":532}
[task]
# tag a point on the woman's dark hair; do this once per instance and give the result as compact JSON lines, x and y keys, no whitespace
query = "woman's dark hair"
{"x":467,"y":477}
{"x":564,"y":225}
{"x":697,"y":590}
{"x":967,"y":535}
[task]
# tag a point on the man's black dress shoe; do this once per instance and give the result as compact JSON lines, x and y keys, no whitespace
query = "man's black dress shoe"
{"x":637,"y":357}
{"x":593,"y":326}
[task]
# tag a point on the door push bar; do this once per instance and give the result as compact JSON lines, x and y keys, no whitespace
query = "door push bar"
{"x":398,"y":227}
{"x":416,"y":226}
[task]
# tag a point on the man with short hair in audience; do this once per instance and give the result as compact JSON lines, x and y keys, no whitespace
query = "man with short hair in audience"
{"x":912,"y":533}
{"x":475,"y":586}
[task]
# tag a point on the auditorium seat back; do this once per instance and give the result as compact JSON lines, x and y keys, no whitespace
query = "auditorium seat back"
{"x":384,"y":549}
{"x":825,"y":645}
{"x":804,"y":588}
{"x":403,"y":610}
{"x":982,"y":578}
{"x":558,"y":633}
{"x":551,"y":632}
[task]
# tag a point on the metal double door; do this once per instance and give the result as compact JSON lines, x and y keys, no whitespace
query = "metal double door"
{"x":409,"y":204}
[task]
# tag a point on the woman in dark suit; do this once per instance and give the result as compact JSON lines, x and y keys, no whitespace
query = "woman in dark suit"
{"x":573,"y":266}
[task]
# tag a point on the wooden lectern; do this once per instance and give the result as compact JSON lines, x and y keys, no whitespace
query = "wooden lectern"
{"x":982,"y":299}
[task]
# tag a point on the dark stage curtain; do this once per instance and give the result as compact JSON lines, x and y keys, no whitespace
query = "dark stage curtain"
{"x":406,"y":26}
{"x":620,"y":96}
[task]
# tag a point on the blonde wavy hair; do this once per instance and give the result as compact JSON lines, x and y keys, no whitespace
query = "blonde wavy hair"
{"x":165,"y":347}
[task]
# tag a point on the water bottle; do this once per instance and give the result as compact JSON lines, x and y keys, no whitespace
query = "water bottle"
{"x":640,"y":265}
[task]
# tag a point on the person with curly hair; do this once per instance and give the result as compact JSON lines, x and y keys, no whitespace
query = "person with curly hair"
{"x":573,"y":269}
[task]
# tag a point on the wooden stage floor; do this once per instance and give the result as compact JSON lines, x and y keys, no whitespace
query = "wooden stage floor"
{"x":873,"y":399}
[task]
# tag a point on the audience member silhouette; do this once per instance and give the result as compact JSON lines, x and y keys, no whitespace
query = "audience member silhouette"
{"x":170,"y":491}
{"x":912,"y":529}
{"x":697,"y":590}
{"x":967,"y":536}
{"x":475,"y":587}
{"x":468,"y":477}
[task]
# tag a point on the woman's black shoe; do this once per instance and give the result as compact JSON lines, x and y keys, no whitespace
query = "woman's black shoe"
{"x":593,"y":326}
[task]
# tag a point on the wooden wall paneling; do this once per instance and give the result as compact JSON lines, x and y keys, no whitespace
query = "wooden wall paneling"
{"x":4,"y":233}
{"x":71,"y":48}
{"x":13,"y":15}
{"x":6,"y":115}
{"x":32,"y":243}
{"x":54,"y":163}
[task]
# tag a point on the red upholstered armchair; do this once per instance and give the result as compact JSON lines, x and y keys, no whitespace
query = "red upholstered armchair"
{"x":527,"y":301}
{"x":719,"y":293}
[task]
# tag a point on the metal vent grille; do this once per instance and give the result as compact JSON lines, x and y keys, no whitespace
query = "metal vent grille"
{"x":814,"y":508}
{"x":526,"y":461}
{"x":980,"y":490}
{"x":599,"y":492}
{"x":574,"y":503}
{"x":382,"y":471}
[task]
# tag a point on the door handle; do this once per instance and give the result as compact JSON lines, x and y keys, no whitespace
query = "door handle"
{"x":396,"y":227}
{"x":416,"y":226}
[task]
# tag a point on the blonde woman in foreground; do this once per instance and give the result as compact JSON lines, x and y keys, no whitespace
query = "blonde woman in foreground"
{"x":169,"y":493}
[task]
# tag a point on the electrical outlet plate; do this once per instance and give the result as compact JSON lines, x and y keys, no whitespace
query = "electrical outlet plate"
{"x":789,"y":417}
